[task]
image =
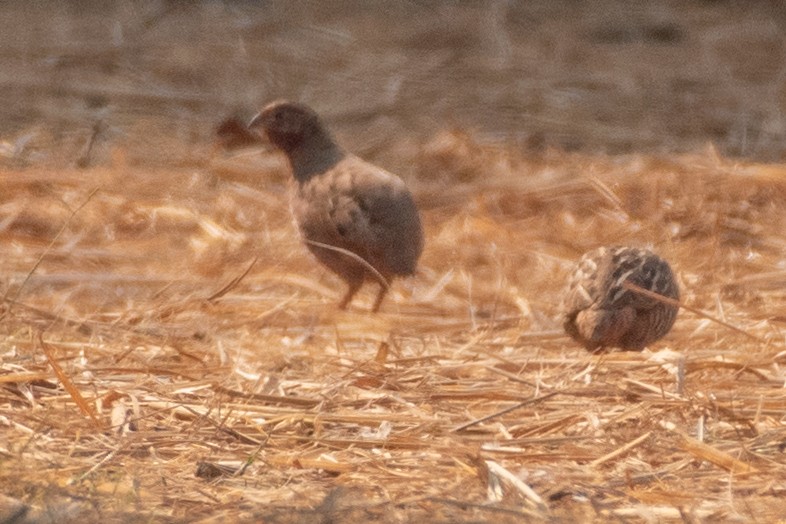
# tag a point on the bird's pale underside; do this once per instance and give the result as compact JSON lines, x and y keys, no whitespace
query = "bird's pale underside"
{"x":357,"y":219}
{"x":600,"y":311}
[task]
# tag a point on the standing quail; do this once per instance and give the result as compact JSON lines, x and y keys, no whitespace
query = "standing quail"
{"x":599,"y":312}
{"x":356,"y":218}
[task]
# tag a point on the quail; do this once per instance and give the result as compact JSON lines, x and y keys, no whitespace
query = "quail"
{"x":357,"y":219}
{"x":600,"y":311}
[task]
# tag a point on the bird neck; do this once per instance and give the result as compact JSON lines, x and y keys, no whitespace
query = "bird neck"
{"x":313,"y":157}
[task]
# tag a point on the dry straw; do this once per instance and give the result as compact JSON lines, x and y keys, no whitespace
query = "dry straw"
{"x":176,"y":355}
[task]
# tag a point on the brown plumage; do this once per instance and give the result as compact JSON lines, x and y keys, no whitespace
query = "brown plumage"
{"x":599,"y":312}
{"x":346,"y":209}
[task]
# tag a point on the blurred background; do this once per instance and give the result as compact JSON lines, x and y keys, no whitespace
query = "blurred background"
{"x":610,"y":76}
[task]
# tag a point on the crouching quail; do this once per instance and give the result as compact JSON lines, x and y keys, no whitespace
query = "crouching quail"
{"x":600,"y":311}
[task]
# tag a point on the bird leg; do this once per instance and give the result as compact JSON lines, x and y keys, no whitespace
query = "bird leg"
{"x":354,"y":286}
{"x":383,"y":290}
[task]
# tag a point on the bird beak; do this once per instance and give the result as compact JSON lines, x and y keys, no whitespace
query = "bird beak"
{"x":256,"y":127}
{"x":256,"y":121}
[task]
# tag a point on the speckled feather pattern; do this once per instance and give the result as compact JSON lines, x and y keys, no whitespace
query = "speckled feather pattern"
{"x":599,"y":312}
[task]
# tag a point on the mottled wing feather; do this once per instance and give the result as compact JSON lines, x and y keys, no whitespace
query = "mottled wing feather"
{"x":639,"y":267}
{"x":600,"y":311}
{"x":376,"y":216}
{"x":582,"y":290}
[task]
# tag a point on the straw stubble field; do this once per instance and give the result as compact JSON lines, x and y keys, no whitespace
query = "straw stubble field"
{"x":170,"y":352}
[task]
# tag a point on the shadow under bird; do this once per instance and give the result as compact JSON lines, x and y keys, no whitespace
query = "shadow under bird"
{"x":600,"y":311}
{"x":357,"y":219}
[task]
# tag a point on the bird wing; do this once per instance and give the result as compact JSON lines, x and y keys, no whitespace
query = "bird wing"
{"x":640,"y":268}
{"x":375,"y":215}
{"x":583,"y":290}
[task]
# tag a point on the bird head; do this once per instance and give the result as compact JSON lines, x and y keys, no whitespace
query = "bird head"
{"x":286,"y":124}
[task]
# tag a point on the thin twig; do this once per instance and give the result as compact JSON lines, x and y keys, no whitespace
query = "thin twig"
{"x":620,"y":450}
{"x":676,"y":303}
{"x":505,"y":411}
{"x":517,"y":483}
{"x":69,"y":386}
{"x":355,"y":256}
{"x":232,"y":283}
{"x":45,"y":252}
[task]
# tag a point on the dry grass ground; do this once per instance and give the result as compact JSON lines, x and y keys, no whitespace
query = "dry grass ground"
{"x":169,"y":351}
{"x":182,"y":395}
